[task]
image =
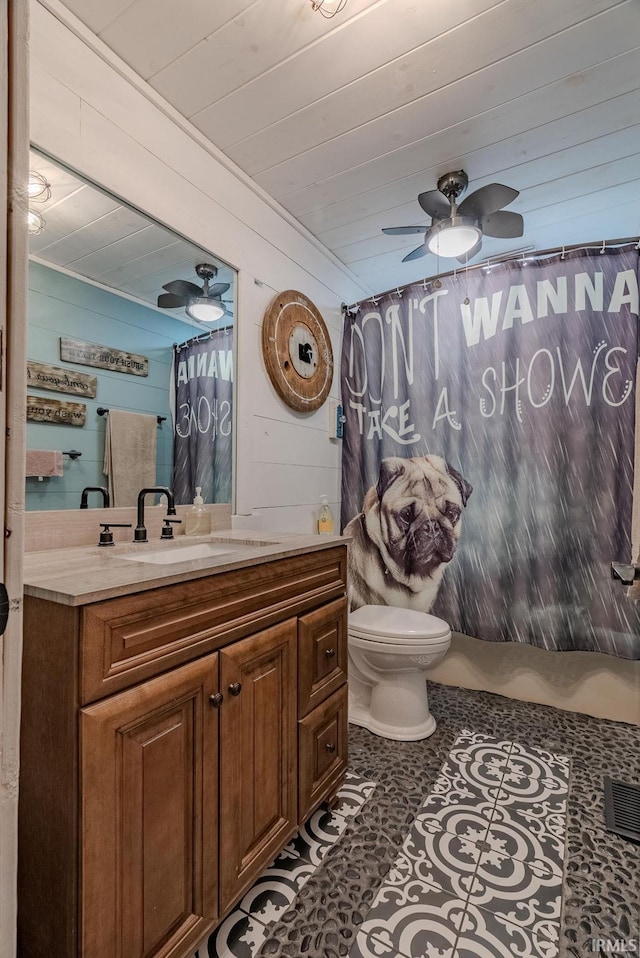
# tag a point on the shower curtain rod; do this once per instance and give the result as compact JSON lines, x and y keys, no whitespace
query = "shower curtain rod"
{"x":202,"y":337}
{"x":491,"y":261}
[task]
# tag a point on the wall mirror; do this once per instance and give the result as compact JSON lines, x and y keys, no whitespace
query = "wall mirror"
{"x":96,"y":270}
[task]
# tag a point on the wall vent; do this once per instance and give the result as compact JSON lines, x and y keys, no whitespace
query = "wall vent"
{"x":622,"y":808}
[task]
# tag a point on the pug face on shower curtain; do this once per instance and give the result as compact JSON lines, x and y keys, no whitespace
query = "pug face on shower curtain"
{"x":406,"y":533}
{"x":487,"y":469}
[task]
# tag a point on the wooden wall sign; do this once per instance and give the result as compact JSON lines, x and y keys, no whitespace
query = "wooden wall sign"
{"x":56,"y":410}
{"x":104,"y":357}
{"x":60,"y":380}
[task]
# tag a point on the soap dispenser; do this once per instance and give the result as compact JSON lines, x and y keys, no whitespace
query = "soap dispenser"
{"x":197,"y":519}
{"x":325,"y":518}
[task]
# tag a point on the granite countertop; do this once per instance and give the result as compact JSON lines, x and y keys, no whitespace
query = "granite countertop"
{"x":82,"y":574}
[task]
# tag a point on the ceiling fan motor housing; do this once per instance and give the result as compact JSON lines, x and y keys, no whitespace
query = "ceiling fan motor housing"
{"x":453,"y":184}
{"x":206,"y":271}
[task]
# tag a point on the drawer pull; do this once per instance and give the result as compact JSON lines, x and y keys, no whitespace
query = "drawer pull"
{"x":331,"y":748}
{"x":330,"y":653}
{"x":235,"y":688}
{"x":216,"y":700}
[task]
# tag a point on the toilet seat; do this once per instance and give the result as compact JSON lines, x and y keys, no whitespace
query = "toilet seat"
{"x":391,"y":625}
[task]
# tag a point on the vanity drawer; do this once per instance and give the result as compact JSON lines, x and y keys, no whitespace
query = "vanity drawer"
{"x":322,"y":654}
{"x":322,"y":752}
{"x":127,"y":640}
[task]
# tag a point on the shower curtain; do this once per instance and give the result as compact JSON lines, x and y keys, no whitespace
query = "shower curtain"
{"x":203,"y":416}
{"x":520,"y":380}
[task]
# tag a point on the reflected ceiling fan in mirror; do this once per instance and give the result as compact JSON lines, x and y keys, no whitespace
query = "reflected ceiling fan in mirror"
{"x":202,"y":303}
{"x":456,"y":231}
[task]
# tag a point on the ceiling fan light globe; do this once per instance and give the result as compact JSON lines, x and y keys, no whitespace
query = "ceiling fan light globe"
{"x":453,"y":237}
{"x":204,"y":310}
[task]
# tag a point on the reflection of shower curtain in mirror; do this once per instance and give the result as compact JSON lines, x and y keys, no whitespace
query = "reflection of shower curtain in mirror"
{"x":202,"y":414}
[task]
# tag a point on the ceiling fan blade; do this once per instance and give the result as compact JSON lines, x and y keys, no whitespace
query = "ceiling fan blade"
{"x":488,"y":199}
{"x":171,"y":301}
{"x":182,"y":288}
{"x":218,"y":289}
{"x":503,"y":224}
{"x":404,"y":230}
{"x":470,"y":253}
{"x":415,"y":253}
{"x":435,"y":204}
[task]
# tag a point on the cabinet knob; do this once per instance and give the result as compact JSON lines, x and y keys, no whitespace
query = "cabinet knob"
{"x":330,"y":653}
{"x":235,"y":688}
{"x":216,"y":700}
{"x":331,"y":748}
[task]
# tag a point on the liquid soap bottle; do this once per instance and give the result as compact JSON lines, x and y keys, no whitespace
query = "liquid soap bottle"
{"x":197,"y":520}
{"x":325,"y":518}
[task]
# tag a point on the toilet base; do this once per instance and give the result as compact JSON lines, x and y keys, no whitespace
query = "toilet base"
{"x":392,"y":704}
{"x":360,"y":716}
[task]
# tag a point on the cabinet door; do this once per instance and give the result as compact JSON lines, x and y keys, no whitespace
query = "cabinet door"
{"x":149,"y":816}
{"x":322,"y":745}
{"x":257,"y":755}
{"x":322,"y":654}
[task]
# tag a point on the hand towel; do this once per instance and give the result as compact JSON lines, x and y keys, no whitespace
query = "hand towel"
{"x":129,"y":455}
{"x":44,"y":462}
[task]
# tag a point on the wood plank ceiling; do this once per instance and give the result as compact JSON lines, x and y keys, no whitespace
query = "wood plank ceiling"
{"x":345,"y":120}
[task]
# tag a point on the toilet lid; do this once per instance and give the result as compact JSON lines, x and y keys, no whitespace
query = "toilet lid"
{"x":389,"y":622}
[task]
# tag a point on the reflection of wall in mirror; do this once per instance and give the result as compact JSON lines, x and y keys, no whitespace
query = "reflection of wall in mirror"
{"x":61,"y":305}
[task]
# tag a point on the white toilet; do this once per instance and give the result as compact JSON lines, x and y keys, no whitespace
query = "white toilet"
{"x":390,"y":650}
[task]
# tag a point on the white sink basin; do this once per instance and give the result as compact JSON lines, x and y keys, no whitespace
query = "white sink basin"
{"x":173,"y":554}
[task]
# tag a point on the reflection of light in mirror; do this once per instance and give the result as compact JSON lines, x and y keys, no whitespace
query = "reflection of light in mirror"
{"x":38,"y":187}
{"x":205,"y":310}
{"x":35,"y":222}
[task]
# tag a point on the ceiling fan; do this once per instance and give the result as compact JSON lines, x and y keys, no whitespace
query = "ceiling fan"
{"x":202,"y":303}
{"x":457,"y":230}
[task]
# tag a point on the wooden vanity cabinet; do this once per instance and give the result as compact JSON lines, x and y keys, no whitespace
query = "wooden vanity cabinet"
{"x":161,"y":738}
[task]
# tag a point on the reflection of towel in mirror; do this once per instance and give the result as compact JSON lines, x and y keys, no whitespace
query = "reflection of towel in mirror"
{"x":44,"y":462}
{"x":129,"y":455}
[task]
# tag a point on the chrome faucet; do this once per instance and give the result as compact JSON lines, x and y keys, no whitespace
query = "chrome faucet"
{"x":106,"y":501}
{"x":140,"y":533}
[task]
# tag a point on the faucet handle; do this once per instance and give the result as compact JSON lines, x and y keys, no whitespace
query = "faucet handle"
{"x":167,"y":531}
{"x":106,"y":536}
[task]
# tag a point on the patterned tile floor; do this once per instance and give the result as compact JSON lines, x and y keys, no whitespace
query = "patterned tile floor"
{"x":480,"y":871}
{"x":601,"y":885}
{"x":242,"y":933}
